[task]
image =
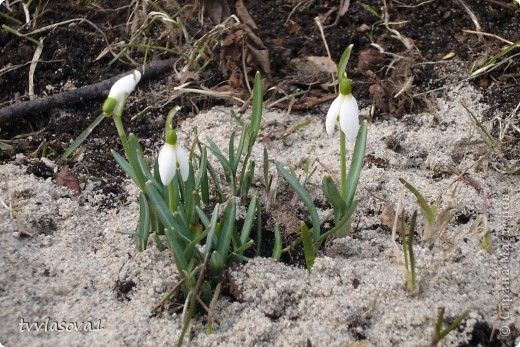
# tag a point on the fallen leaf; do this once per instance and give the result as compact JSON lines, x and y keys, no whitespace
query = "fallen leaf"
{"x":293,"y":27}
{"x":312,"y":69}
{"x":387,"y":218}
{"x":370,"y":59}
{"x":67,"y":178}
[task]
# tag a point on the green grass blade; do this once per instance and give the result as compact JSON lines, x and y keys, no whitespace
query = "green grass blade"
{"x":240,"y":251}
{"x":410,"y":252}
{"x":344,"y":219}
{"x":143,"y":228}
{"x":308,"y":247}
{"x":371,"y":10}
{"x":306,"y":199}
{"x":248,"y":222}
{"x":428,"y":212}
{"x":358,"y":159}
{"x":203,"y":218}
{"x":404,"y":243}
{"x":212,"y":227}
{"x":4,"y":146}
{"x":79,"y":140}
{"x":277,"y":248}
{"x":220,"y":156}
{"x":226,"y":234}
{"x":246,"y":181}
{"x":233,"y":162}
{"x":443,"y":333}
{"x":333,"y":196}
{"x":125,"y":166}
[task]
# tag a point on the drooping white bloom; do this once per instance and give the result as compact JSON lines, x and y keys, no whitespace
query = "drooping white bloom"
{"x":171,"y":157}
{"x":125,"y":85}
{"x":343,"y":110}
{"x":119,"y":91}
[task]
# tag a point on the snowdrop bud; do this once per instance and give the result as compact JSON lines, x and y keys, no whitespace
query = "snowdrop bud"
{"x":122,"y":88}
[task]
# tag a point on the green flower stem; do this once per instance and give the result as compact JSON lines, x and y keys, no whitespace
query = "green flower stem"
{"x":117,"y":115}
{"x":343,"y":164}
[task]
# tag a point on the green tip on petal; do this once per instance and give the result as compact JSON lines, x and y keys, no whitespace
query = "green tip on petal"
{"x":345,"y":86}
{"x":109,"y":105}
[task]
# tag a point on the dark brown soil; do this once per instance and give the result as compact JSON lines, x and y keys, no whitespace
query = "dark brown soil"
{"x":288,"y":30}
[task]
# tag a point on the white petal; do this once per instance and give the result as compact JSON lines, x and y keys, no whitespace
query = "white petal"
{"x":184,"y":165}
{"x":125,"y":85}
{"x":332,"y":115}
{"x":349,"y":117}
{"x":167,"y":161}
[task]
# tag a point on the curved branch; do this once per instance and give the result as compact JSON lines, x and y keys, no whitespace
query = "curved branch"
{"x":93,"y":91}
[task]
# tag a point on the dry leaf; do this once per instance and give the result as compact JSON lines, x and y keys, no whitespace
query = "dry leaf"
{"x":293,"y":27}
{"x":67,"y":178}
{"x":312,"y":69}
{"x":232,"y":54}
{"x":387,"y":218}
{"x":370,"y":59}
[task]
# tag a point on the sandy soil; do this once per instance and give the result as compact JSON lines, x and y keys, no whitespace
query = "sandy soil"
{"x":72,"y":267}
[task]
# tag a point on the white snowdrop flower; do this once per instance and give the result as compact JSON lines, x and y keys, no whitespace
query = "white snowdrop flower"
{"x":343,"y":110}
{"x":170,"y":157}
{"x":125,"y":85}
{"x":120,"y":90}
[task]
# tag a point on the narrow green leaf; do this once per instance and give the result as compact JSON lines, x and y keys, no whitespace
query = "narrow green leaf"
{"x":169,"y":220}
{"x":212,"y":227}
{"x":79,"y":140}
{"x":452,"y":326}
{"x":344,"y":219}
{"x":125,"y":166}
{"x":411,"y":253}
{"x":428,"y":213}
{"x":191,"y":205}
{"x":5,"y":146}
{"x":216,"y":182}
{"x":308,"y":247}
{"x":306,"y":198}
{"x":224,"y":238}
{"x":240,"y":251}
{"x":277,"y":248}
{"x":233,"y":162}
{"x":203,"y":218}
{"x":223,"y":161}
{"x":342,"y":66}
{"x":404,"y":243}
{"x":371,"y":10}
{"x":201,"y":180}
{"x":245,"y":184}
{"x":358,"y":159}
{"x":143,"y":228}
{"x":333,"y":196}
{"x":248,"y":222}
{"x":266,"y":169}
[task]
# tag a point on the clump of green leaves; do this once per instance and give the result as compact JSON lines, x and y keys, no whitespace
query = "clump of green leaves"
{"x":439,"y":333}
{"x":173,"y":209}
{"x":435,"y":221}
{"x":408,"y":253}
